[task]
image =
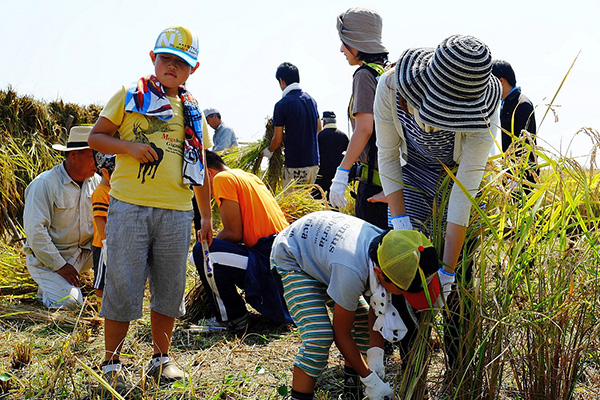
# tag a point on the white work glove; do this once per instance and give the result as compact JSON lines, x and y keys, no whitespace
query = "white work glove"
{"x":402,"y":222}
{"x":338,"y":188}
{"x":266,"y":153}
{"x":375,"y":361}
{"x":446,"y":282}
{"x":376,"y":389}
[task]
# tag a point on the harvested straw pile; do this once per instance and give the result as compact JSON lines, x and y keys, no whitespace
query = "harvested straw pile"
{"x":27,"y":128}
{"x":297,"y":203}
{"x":196,"y":303}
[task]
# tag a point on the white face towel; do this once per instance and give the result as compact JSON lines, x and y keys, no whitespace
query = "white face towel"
{"x":388,"y":321}
{"x":289,"y":88}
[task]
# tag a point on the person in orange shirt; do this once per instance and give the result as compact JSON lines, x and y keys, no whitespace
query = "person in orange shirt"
{"x":240,"y":252}
{"x":100,"y":199}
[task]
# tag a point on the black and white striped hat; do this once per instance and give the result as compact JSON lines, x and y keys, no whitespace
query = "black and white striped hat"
{"x":452,"y":85}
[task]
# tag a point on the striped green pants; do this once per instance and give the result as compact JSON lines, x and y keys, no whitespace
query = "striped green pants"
{"x":308,"y":303}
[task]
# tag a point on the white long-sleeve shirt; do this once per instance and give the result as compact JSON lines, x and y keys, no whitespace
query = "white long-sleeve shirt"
{"x":58,"y":217}
{"x":471,"y":150}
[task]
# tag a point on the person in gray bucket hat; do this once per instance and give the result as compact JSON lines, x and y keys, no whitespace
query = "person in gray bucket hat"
{"x":361,"y":29}
{"x":360,"y":32}
{"x":438,"y":109}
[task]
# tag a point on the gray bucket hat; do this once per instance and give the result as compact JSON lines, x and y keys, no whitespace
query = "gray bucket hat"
{"x":361,"y":28}
{"x":452,"y":85}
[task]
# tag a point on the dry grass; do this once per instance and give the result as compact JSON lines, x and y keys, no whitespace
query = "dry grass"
{"x":44,"y":358}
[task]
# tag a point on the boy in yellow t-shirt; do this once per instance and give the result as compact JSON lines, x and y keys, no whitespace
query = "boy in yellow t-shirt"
{"x":159,"y":155}
{"x":100,"y":199}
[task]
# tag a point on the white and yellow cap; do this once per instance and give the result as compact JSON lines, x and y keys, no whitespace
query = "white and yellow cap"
{"x":179,"y":41}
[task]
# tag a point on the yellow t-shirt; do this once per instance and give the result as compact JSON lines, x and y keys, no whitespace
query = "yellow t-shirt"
{"x":158,"y":184}
{"x":261,"y":215}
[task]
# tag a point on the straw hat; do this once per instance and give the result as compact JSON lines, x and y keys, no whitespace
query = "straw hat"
{"x":452,"y":85}
{"x":77,"y":140}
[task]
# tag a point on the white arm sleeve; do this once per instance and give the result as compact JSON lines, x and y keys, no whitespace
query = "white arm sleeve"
{"x":474,"y":153}
{"x":390,"y":135}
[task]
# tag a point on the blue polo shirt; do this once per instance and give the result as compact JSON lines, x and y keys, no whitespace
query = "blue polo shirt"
{"x":297,"y":113}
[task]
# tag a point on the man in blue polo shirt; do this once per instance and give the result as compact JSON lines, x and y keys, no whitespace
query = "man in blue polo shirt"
{"x":298,"y":113}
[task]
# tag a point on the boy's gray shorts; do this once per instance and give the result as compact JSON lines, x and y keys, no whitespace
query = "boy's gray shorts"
{"x":145,"y":243}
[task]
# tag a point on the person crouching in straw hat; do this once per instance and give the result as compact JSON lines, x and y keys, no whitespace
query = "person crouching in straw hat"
{"x":329,"y":259}
{"x":437,"y":107}
{"x":58,"y":222}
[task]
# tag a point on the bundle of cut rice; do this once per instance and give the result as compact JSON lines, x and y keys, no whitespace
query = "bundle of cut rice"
{"x":249,"y":159}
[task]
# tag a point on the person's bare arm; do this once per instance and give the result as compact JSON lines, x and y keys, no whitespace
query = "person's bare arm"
{"x":375,"y":338}
{"x":343,"y":322}
{"x":360,"y":137}
{"x":455,"y":238}
{"x":100,"y":226}
{"x":231,"y":216}
{"x":102,"y":139}
{"x":277,"y":138}
{"x":396,"y":203}
{"x":202,"y":194}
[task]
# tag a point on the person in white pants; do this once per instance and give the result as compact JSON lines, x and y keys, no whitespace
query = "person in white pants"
{"x":58,"y":222}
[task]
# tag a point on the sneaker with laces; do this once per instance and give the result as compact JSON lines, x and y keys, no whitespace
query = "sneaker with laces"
{"x":165,"y":373}
{"x":352,"y":385}
{"x":212,"y":324}
{"x":116,"y":380}
{"x":238,"y":325}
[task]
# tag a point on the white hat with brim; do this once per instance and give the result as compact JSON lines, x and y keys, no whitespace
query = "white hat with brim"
{"x":78,"y":137}
{"x":452,"y":85}
{"x":210,"y":111}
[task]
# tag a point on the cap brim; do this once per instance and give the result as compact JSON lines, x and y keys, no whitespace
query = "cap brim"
{"x":185,"y":57}
{"x":419,"y":300}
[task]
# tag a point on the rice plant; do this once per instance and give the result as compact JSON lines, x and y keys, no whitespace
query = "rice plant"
{"x":27,"y":129}
{"x":528,"y":317}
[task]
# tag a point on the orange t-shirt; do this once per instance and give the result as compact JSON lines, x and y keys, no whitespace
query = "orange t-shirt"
{"x":100,"y":200}
{"x":261,"y":215}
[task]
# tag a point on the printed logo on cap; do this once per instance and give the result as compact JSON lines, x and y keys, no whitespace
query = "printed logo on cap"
{"x":178,"y":38}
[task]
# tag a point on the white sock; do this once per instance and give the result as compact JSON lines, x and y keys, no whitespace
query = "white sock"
{"x":110,"y":367}
{"x":157,"y":361}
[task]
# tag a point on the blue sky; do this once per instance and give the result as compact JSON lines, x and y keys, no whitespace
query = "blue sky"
{"x":82,"y":51}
